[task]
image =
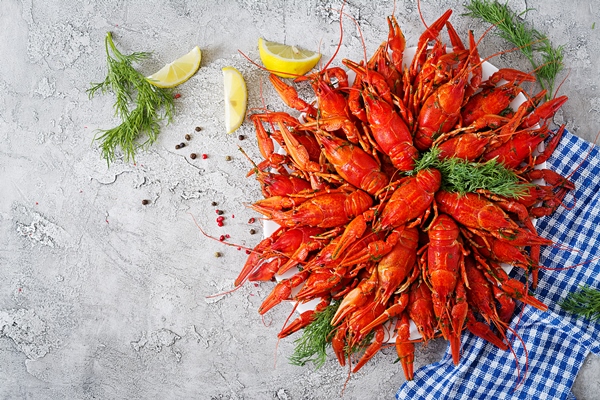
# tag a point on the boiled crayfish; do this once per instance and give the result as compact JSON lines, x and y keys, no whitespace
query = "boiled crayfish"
{"x":383,"y":242}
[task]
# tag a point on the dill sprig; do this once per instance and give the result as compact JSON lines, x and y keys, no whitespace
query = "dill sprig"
{"x":546,"y":60}
{"x":463,"y":176}
{"x":139,"y":104}
{"x":316,"y":337}
{"x":429,"y":159}
{"x":585,"y":302}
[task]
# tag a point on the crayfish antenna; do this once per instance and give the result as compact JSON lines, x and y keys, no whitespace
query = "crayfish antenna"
{"x":279,"y":338}
{"x":241,"y":283}
{"x":224,"y":293}
{"x":218,"y":239}
{"x":339,"y":46}
{"x":571,"y":266}
{"x":264,"y":68}
{"x":347,"y":377}
{"x":519,"y":380}
{"x":421,"y":15}
{"x":362,"y":39}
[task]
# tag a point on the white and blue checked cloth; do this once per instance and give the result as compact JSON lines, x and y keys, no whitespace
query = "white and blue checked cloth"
{"x":557,"y":342}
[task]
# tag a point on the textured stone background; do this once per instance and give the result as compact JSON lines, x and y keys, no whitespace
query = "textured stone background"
{"x":102,"y":297}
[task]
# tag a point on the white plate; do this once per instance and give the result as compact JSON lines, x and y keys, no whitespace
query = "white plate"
{"x":269,"y":226}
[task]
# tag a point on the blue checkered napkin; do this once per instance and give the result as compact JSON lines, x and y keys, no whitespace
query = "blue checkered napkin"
{"x":556,"y":342}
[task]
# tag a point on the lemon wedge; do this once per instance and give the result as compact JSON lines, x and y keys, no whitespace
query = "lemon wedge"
{"x":178,"y":71}
{"x":236,"y":98}
{"x":286,"y":61}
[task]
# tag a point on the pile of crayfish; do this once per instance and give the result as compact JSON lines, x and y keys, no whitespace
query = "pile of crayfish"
{"x":362,"y":226}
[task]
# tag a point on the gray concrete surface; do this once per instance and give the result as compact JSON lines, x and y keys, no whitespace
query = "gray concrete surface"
{"x":102,"y":297}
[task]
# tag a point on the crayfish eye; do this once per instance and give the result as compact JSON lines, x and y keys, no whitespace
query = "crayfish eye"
{"x":334,"y":82}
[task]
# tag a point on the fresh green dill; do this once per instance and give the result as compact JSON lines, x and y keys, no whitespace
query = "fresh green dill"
{"x":546,"y":60}
{"x":429,"y":159}
{"x":139,"y":104}
{"x":316,"y":337}
{"x":463,"y":176}
{"x":585,"y":302}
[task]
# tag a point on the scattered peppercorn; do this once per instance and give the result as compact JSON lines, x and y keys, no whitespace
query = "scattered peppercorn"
{"x":187,"y":137}
{"x":217,"y":254}
{"x":177,"y":147}
{"x":198,"y":129}
{"x":177,"y":95}
{"x":144,"y":202}
{"x":252,"y":231}
{"x":248,"y":251}
{"x":241,"y":137}
{"x":219,"y":223}
{"x":227,"y":236}
{"x":181,"y":144}
{"x":204,"y":156}
{"x":219,"y":212}
{"x":221,"y":238}
{"x":227,"y":158}
{"x":214,"y":203}
{"x":193,"y":156}
{"x":220,"y":218}
{"x":252,"y":220}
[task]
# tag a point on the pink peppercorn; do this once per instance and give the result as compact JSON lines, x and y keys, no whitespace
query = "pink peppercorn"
{"x":204,"y":156}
